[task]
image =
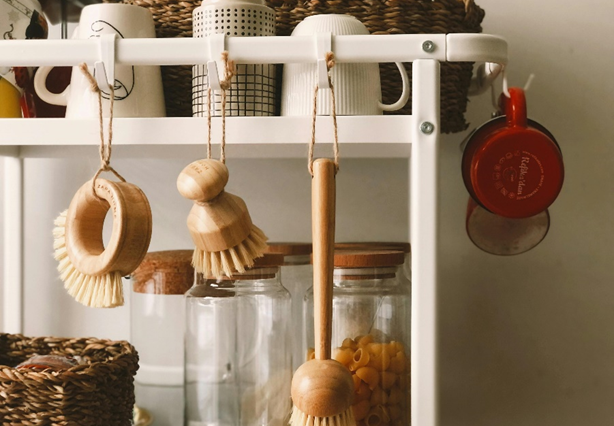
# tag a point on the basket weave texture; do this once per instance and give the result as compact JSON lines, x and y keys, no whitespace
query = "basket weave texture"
{"x":403,"y":17}
{"x":173,"y":18}
{"x":98,"y":393}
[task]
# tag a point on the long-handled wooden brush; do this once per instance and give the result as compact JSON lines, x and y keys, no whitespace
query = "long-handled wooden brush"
{"x":322,"y":389}
{"x":226,"y":240}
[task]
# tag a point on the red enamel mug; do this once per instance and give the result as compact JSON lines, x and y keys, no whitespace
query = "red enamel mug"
{"x":512,"y":166}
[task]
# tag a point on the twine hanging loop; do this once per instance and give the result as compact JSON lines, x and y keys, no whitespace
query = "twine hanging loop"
{"x":229,"y":72}
{"x":105,"y":147}
{"x":330,"y":63}
{"x":225,"y":84}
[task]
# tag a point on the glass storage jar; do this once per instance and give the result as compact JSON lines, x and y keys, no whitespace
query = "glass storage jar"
{"x":371,"y":332}
{"x":157,"y":315}
{"x":238,"y":353}
{"x":383,"y":245}
{"x":297,"y":276}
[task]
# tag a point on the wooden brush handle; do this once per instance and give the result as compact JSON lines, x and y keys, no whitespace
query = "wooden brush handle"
{"x":323,"y":235}
{"x":202,"y":180}
{"x":219,"y":224}
{"x":131,"y":234}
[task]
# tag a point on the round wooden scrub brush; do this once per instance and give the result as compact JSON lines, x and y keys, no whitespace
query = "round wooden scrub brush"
{"x":92,"y":274}
{"x":226,"y":240}
{"x":322,"y":389}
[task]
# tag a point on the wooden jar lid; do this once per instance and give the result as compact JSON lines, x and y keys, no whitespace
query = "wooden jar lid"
{"x":295,"y":254}
{"x":268,"y":260}
{"x":290,"y":249}
{"x":368,"y":258}
{"x":375,"y":245}
{"x":164,"y":272}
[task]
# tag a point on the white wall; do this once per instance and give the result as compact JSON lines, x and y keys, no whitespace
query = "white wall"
{"x":530,"y":340}
{"x":526,"y":340}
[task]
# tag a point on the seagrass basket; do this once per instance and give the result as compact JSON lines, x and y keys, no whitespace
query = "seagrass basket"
{"x":403,"y":17}
{"x":173,"y":18}
{"x":97,"y":393}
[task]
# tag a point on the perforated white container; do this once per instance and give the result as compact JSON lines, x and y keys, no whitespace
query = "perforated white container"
{"x":254,"y":87}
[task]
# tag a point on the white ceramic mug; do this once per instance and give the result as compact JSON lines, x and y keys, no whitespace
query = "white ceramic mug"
{"x":357,"y":87}
{"x":138,"y":89}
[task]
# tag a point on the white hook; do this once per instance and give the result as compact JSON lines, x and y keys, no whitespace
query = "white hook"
{"x":217,"y":45}
{"x":105,"y":67}
{"x":505,"y":83}
{"x":484,"y":78}
{"x":324,"y":44}
{"x":527,"y":85}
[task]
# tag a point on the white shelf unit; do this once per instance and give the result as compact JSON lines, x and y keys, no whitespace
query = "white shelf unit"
{"x":372,"y":136}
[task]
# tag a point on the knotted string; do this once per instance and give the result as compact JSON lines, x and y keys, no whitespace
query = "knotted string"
{"x":209,"y":123}
{"x":105,"y":147}
{"x":225,"y":84}
{"x":330,"y":63}
{"x":229,"y":72}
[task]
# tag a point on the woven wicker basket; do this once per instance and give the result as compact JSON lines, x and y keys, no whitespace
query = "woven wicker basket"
{"x":173,"y":18}
{"x":98,"y":393}
{"x":403,"y":17}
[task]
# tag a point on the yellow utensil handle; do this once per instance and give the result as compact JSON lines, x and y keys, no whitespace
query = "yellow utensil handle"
{"x":10,"y":106}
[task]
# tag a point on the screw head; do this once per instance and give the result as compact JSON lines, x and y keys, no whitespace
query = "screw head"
{"x":428,"y":46}
{"x":427,"y":128}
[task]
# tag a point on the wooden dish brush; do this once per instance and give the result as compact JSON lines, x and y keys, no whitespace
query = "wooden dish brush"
{"x":226,"y":240}
{"x":322,"y":389}
{"x":92,"y":274}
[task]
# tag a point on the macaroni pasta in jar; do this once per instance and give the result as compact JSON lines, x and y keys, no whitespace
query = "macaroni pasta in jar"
{"x":371,"y":333}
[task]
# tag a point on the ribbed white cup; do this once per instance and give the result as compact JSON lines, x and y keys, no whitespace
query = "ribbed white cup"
{"x":357,"y":86}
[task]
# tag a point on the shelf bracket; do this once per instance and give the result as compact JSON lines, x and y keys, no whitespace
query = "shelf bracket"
{"x":104,"y":69}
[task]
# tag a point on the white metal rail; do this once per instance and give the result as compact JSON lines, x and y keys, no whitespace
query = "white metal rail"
{"x":422,"y":129}
{"x":254,"y":50}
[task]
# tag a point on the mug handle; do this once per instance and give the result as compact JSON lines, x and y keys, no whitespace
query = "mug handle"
{"x":40,"y":87}
{"x":40,"y":82}
{"x":404,"y":96}
{"x":515,"y":107}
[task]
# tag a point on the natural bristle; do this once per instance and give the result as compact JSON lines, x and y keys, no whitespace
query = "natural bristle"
{"x":301,"y":419}
{"x":103,"y":291}
{"x":233,"y":260}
